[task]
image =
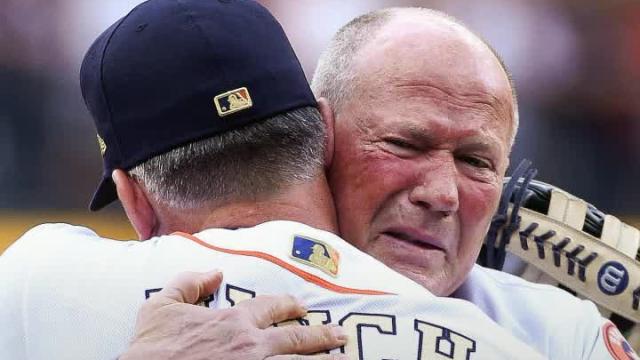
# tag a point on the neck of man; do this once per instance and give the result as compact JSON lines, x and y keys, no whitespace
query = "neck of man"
{"x":309,"y":203}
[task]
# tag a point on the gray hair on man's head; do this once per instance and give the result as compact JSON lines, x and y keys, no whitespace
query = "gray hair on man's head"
{"x":335,"y":77}
{"x":240,"y":165}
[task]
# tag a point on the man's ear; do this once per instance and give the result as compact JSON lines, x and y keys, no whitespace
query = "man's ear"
{"x":136,"y":204}
{"x":327,"y":116}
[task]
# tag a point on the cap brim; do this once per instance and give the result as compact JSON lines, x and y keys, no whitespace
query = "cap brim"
{"x":104,"y":195}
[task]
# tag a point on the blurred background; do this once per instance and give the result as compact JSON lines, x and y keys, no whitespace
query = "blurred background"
{"x":576,"y":65}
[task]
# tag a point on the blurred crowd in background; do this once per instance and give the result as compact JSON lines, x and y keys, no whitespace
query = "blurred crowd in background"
{"x":576,"y":65}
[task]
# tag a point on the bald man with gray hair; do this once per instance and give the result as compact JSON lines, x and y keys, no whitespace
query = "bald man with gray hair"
{"x":425,"y":115}
{"x":425,"y":118}
{"x":335,"y":77}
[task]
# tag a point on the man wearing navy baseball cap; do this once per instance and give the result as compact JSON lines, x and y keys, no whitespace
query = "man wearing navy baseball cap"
{"x":216,"y":148}
{"x":204,"y":120}
{"x":176,"y":72}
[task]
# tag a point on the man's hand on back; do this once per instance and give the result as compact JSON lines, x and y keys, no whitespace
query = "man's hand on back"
{"x":169,"y":326}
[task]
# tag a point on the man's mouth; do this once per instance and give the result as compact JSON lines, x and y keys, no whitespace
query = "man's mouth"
{"x":415,"y":237}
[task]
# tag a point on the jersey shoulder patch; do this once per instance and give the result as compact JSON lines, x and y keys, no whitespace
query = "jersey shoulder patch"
{"x":616,"y":344}
{"x":315,"y":253}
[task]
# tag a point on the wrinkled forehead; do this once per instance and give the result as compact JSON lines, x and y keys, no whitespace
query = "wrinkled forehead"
{"x":434,"y":52}
{"x":439,"y":51}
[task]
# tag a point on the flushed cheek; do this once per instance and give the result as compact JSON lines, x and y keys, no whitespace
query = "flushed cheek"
{"x":382,"y":182}
{"x":478,"y":202}
{"x":363,"y":191}
{"x":477,"y":206}
{"x":369,"y":179}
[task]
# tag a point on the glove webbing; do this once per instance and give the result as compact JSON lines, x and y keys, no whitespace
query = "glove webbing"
{"x":514,"y":190}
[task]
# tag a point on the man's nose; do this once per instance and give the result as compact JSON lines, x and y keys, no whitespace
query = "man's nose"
{"x":437,"y":188}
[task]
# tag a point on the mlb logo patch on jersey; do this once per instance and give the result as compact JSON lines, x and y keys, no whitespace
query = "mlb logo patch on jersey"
{"x":233,"y":101}
{"x":315,"y":253}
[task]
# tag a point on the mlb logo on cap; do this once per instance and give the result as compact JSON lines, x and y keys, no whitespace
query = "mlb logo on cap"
{"x":149,"y":80}
{"x":233,"y":101}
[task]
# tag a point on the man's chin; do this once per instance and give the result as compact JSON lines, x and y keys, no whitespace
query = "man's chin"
{"x":437,"y":282}
{"x":426,"y":266}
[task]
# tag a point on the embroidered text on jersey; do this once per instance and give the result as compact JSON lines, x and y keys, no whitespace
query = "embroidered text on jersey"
{"x":365,"y":329}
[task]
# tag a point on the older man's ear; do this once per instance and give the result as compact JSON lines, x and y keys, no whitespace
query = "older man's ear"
{"x":136,"y":204}
{"x":327,"y":116}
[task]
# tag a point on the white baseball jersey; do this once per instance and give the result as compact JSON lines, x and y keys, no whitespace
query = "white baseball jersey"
{"x":66,"y":293}
{"x":556,"y":323}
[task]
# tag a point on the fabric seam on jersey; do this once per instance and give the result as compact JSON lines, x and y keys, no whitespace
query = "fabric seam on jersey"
{"x":600,"y":336}
{"x":301,"y":273}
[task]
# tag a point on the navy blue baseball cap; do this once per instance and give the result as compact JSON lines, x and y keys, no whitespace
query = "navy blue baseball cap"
{"x":173,"y":72}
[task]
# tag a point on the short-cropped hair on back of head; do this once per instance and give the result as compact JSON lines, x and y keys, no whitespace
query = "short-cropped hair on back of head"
{"x":244,"y":164}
